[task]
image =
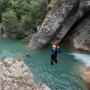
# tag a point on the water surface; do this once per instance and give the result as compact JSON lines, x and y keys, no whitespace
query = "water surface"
{"x":62,"y":76}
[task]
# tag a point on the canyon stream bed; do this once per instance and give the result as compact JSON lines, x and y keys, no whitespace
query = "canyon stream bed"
{"x":65,"y":75}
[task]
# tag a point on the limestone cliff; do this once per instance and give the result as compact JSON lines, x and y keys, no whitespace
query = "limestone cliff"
{"x":80,"y":36}
{"x":15,"y":75}
{"x":63,"y":14}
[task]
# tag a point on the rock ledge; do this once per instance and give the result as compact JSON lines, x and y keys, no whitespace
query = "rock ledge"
{"x":15,"y":75}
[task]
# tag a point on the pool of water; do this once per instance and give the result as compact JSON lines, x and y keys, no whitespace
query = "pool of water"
{"x":65,"y":75}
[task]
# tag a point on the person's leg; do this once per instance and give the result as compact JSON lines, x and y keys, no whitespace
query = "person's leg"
{"x":55,"y":60}
{"x":51,"y":60}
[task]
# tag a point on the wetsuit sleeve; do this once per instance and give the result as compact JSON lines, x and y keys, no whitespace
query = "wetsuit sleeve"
{"x":52,"y":52}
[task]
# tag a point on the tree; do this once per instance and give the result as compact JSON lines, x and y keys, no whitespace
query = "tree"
{"x":22,"y":16}
{"x":38,"y":10}
{"x":4,"y":4}
{"x":10,"y":21}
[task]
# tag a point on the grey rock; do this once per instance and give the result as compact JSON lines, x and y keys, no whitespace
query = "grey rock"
{"x":15,"y":75}
{"x":80,"y":36}
{"x":2,"y":30}
{"x":56,"y":21}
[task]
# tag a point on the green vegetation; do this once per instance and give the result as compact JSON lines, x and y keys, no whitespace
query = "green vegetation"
{"x":19,"y":78}
{"x":21,"y":17}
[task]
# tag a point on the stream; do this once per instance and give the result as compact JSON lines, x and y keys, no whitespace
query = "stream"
{"x":65,"y":75}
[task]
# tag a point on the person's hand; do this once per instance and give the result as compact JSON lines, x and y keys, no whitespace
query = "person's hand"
{"x":58,"y":47}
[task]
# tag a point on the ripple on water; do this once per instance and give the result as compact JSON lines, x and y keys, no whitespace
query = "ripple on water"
{"x":62,"y":76}
{"x":6,"y":54}
{"x":57,"y":78}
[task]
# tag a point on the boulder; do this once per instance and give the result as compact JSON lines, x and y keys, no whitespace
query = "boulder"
{"x":15,"y":75}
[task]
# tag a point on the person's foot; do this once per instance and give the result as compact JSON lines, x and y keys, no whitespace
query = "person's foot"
{"x":51,"y":63}
{"x":56,"y":61}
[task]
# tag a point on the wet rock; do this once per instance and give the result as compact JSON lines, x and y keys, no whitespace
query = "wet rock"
{"x":80,"y":36}
{"x":1,"y":26}
{"x":15,"y":75}
{"x":86,"y":76}
{"x":56,"y":21}
{"x":2,"y":31}
{"x":86,"y":5}
{"x":60,"y":18}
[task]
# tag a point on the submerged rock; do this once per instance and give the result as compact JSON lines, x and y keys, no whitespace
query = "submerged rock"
{"x":15,"y":75}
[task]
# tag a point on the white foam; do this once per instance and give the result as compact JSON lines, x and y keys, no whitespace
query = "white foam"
{"x":85,"y":58}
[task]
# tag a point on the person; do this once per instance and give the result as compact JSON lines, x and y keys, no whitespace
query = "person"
{"x":54,"y":51}
{"x":28,"y":54}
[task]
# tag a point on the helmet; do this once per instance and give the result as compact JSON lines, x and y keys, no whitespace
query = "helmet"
{"x":54,"y":46}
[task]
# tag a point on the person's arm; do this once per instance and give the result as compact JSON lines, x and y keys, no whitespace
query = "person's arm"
{"x":52,"y":52}
{"x":58,"y":49}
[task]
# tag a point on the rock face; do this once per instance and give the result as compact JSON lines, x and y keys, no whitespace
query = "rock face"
{"x":86,"y":77}
{"x":1,"y":29}
{"x":2,"y":32}
{"x":60,"y":18}
{"x":62,"y":15}
{"x":15,"y":75}
{"x":86,"y":5}
{"x":81,"y":35}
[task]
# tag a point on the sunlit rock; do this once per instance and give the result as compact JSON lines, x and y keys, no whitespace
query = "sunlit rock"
{"x":15,"y":75}
{"x":86,"y":77}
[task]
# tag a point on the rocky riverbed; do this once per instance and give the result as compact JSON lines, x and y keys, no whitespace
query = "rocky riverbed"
{"x":15,"y":75}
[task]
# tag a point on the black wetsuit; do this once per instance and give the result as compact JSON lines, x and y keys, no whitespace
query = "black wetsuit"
{"x":54,"y":56}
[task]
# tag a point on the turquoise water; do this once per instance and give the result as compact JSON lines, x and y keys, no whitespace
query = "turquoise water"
{"x":62,"y":76}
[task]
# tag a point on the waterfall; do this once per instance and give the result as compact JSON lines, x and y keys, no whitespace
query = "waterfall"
{"x":85,"y":58}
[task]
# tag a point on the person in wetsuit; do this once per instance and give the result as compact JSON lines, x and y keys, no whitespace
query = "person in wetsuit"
{"x":54,"y":52}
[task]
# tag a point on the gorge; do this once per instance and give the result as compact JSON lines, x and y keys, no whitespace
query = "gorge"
{"x":65,"y":22}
